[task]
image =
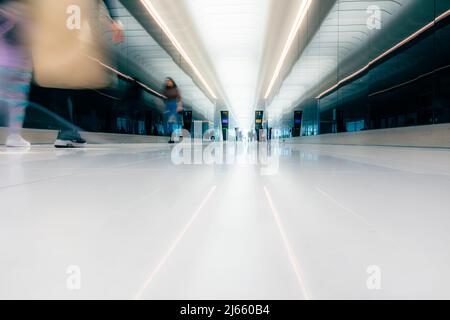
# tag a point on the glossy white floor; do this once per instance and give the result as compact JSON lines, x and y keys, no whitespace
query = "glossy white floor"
{"x":122,"y":221}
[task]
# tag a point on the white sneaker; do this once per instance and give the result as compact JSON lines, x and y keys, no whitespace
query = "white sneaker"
{"x":16,"y":141}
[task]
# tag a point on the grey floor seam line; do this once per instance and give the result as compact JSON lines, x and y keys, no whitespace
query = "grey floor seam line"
{"x":71,"y":175}
{"x":137,"y":162}
{"x":345,"y":208}
{"x":342,"y":156}
{"x":369,"y":145}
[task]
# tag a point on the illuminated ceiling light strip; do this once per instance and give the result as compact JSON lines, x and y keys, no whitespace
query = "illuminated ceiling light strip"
{"x":151,"y":9}
{"x":298,"y":22}
{"x":384,"y":54}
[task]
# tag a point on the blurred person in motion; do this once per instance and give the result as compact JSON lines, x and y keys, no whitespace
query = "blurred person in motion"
{"x":174,"y":108}
{"x":72,"y":52}
{"x":15,"y":67}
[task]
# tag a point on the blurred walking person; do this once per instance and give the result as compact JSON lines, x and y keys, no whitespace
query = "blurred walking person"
{"x":15,"y":67}
{"x":174,"y":108}
{"x":71,"y":52}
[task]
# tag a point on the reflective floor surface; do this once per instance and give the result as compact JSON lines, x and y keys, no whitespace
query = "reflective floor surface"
{"x":300,"y":222}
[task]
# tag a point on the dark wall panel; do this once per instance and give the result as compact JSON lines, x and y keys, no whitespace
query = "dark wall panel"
{"x":408,"y":87}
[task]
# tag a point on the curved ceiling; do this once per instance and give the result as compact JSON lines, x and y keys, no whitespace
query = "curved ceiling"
{"x":234,"y":44}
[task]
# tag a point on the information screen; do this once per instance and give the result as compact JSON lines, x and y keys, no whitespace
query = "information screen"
{"x":225,"y":119}
{"x":298,"y":115}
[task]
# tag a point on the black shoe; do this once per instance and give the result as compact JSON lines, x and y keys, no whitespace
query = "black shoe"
{"x":171,"y":141}
{"x":69,"y":139}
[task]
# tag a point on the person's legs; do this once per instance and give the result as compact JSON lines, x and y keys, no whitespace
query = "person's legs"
{"x":4,"y":104}
{"x":14,"y":93}
{"x":171,"y":114}
{"x":68,"y":136}
{"x":170,"y":130}
{"x":19,"y":102}
{"x":60,"y":104}
{"x":174,"y":129}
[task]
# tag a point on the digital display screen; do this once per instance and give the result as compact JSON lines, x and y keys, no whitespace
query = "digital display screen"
{"x":225,"y":119}
{"x":298,"y":115}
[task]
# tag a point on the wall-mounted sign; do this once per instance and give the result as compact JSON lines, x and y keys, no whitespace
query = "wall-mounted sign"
{"x":225,"y":120}
{"x":187,"y":120}
{"x":298,"y":117}
{"x":224,"y":115}
{"x":259,"y":116}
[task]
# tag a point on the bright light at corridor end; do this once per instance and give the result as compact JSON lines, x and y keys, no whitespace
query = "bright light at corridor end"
{"x":151,"y":9}
{"x":297,"y":24}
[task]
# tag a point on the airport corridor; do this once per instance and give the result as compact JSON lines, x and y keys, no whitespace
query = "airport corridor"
{"x":201,"y":156}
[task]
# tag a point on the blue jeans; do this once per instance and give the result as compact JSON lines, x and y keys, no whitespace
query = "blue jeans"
{"x":173,"y":119}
